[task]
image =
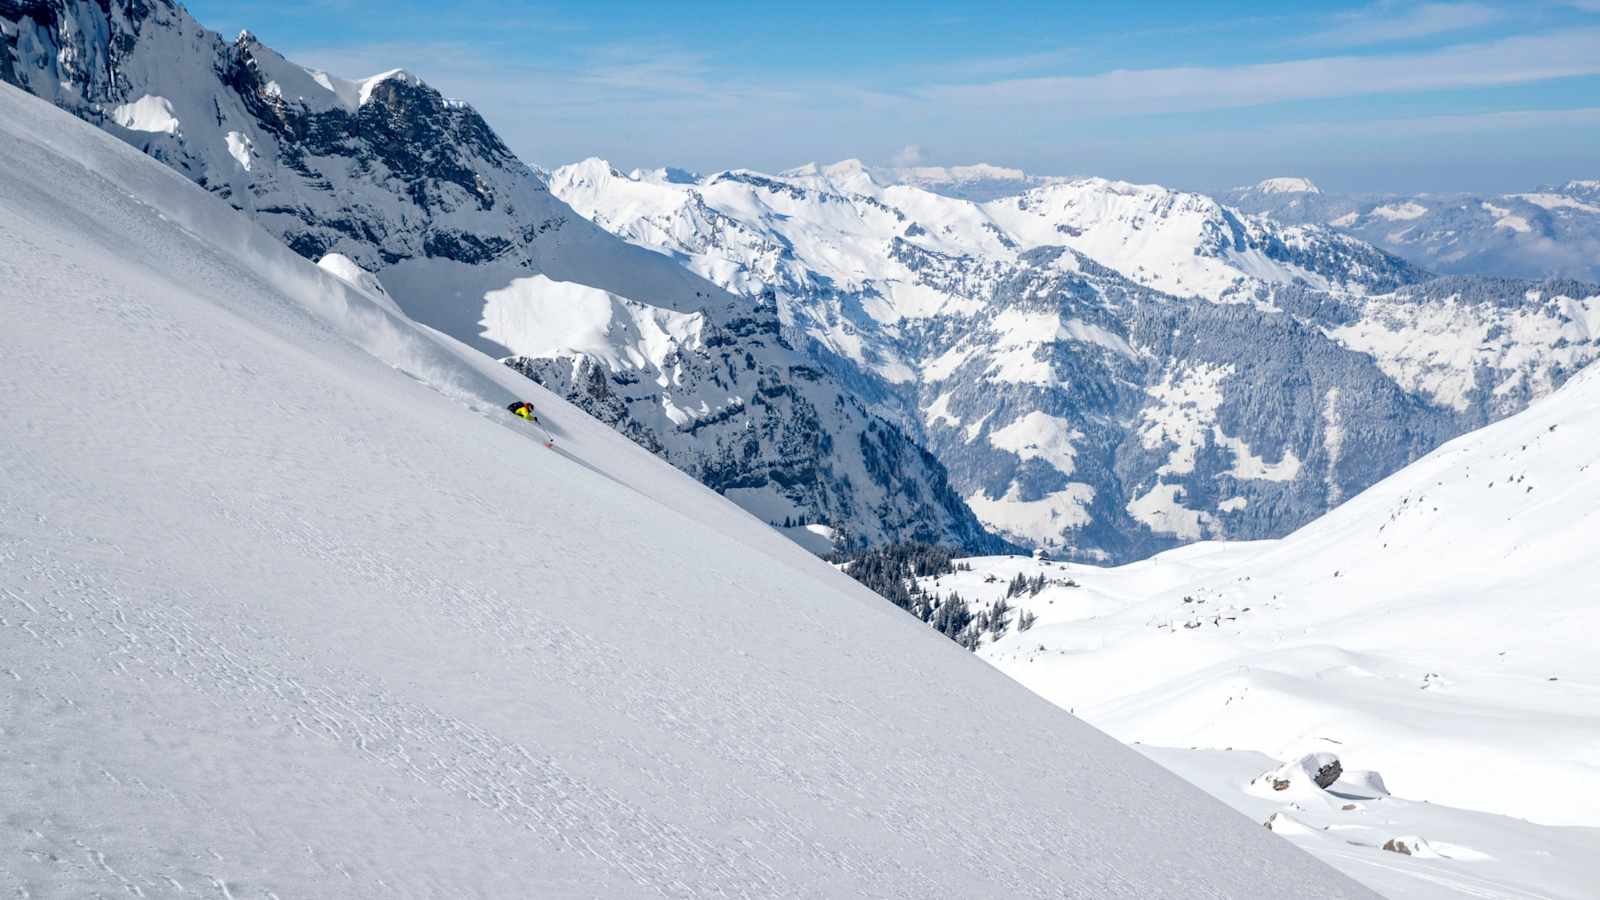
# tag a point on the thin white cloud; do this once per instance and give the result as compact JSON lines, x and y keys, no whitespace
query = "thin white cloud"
{"x":909,"y":155}
{"x":1388,"y":22}
{"x":1514,"y":60}
{"x":1503,"y":122}
{"x":989,"y":67}
{"x":661,"y":105}
{"x":634,"y":70}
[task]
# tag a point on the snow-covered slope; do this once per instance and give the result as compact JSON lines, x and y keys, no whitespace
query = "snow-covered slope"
{"x":1457,"y":593}
{"x":1437,"y":628}
{"x":289,"y":606}
{"x":412,"y":194}
{"x":1074,"y":404}
{"x":1405,"y":849}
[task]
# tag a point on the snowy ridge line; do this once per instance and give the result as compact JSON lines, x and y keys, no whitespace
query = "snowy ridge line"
{"x":834,"y":302}
{"x":1552,"y":231}
{"x":1201,"y":367}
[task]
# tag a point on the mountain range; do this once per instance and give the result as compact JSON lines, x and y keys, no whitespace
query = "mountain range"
{"x":417,"y":190}
{"x":1551,"y":230}
{"x":1109,"y":368}
{"x":971,"y":356}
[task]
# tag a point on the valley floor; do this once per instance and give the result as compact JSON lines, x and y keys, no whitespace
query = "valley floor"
{"x":1488,"y":739}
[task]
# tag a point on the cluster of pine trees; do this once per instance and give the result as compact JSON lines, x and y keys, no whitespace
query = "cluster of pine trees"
{"x":892,"y":571}
{"x":1022,"y":584}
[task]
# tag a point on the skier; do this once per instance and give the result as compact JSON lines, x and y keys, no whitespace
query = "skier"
{"x":524,"y":409}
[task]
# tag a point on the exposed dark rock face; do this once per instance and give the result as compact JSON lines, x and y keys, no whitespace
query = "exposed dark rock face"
{"x":1230,"y":378}
{"x":783,"y":437}
{"x":418,"y":189}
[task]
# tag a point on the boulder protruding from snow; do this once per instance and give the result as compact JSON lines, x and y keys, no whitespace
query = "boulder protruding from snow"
{"x":1317,"y":769}
{"x":1411,"y":845}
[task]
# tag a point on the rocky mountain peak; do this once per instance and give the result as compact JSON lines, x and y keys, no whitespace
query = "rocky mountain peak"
{"x":414,"y":198}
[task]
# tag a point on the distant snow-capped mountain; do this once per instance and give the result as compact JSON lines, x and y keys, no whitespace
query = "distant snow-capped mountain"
{"x":978,"y":182}
{"x":1289,"y":185}
{"x":1110,"y":367}
{"x":1549,"y":231}
{"x":414,"y":190}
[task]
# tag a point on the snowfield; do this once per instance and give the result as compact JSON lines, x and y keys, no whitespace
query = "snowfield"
{"x":289,"y":606}
{"x":1355,"y":825}
{"x":1437,"y":629}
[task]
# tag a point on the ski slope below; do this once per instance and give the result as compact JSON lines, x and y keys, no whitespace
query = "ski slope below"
{"x":1438,"y":628}
{"x":289,"y":606}
{"x":1404,"y":849}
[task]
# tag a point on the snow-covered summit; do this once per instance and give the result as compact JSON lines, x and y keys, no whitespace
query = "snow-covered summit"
{"x":299,"y":610}
{"x":846,"y":176}
{"x":1288,"y":185}
{"x":973,"y":172}
{"x":313,"y":89}
{"x":1583,"y":187}
{"x":979,"y":182}
{"x":665,"y":175}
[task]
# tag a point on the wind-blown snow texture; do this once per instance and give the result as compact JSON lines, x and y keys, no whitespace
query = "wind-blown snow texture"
{"x":417,"y":190}
{"x":1108,"y":367}
{"x":290,"y":606}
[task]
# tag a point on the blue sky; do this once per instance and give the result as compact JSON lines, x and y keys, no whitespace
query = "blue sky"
{"x":1391,"y":95}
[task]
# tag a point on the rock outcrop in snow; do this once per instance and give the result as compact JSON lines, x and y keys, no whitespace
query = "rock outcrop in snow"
{"x":1318,"y":770}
